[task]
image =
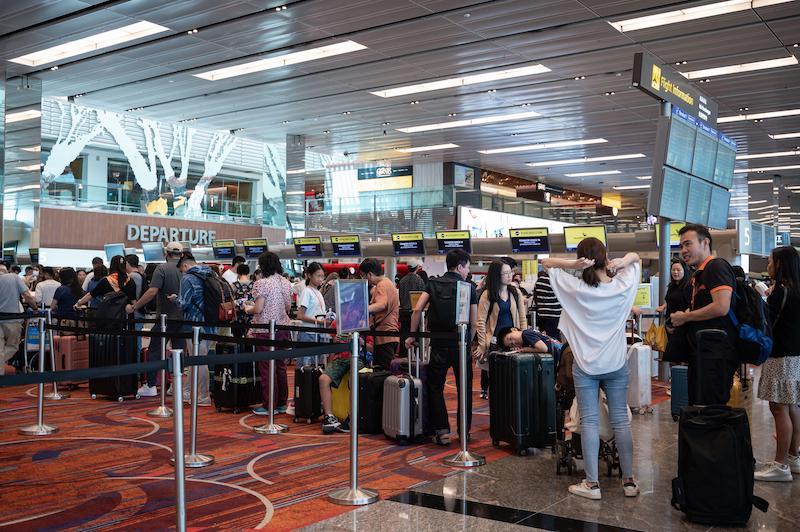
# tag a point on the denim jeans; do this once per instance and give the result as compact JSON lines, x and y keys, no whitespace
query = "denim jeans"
{"x":587,"y":390}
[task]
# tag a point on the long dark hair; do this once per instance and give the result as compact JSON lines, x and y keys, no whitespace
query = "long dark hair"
{"x":686,"y":275}
{"x":270,"y":264}
{"x":592,"y":248}
{"x":786,"y":261}
{"x":494,"y":279}
{"x":69,"y":278}
{"x":311,"y":269}
{"x":118,"y":266}
{"x":99,"y":271}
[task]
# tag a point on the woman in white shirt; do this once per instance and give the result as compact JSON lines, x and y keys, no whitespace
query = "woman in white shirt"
{"x":311,"y":304}
{"x":594,"y":309}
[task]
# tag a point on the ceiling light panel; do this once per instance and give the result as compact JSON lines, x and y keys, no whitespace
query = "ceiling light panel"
{"x":631,"y":187}
{"x":279,"y":61}
{"x":759,"y":116}
{"x":589,"y":174}
{"x":785,"y":136}
{"x":692,"y":13}
{"x":766,"y":169}
{"x":543,"y":146}
{"x":743,"y":67}
{"x":90,"y":44}
{"x":770,"y":154}
{"x":427,"y":148}
{"x":462,"y":81}
{"x":589,"y":159}
{"x":23,"y":115}
{"x":471,"y":122}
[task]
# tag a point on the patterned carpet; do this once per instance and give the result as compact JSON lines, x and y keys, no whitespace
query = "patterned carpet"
{"x":108,"y":466}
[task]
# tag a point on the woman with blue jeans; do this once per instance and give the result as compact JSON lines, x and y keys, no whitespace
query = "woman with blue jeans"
{"x":594,"y":309}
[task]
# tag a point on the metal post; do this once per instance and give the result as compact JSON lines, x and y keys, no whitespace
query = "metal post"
{"x":423,"y":342}
{"x":39,"y":429}
{"x":271,"y":427}
{"x":464,"y":458}
{"x":162,"y":410}
{"x":353,"y":495}
{"x":55,"y":395}
{"x":195,"y":459}
{"x":180,"y":481}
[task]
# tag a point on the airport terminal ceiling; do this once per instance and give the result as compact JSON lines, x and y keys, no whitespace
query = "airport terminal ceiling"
{"x":324,"y":64}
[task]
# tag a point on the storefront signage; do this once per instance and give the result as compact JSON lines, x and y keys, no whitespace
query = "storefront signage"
{"x":385,"y":178}
{"x":664,"y":83}
{"x":155,"y":233}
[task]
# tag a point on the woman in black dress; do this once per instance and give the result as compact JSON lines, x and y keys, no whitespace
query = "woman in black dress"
{"x":679,"y":292}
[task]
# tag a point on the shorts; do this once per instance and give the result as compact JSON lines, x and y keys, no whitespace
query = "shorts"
{"x":337,"y":369}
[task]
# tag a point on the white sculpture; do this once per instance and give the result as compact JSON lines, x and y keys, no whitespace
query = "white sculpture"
{"x":145,"y":175}
{"x":218,"y":150}
{"x":68,"y":148}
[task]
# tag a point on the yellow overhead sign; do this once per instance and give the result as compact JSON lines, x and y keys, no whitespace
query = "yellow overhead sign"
{"x":223,"y":243}
{"x":527,"y":233}
{"x":574,"y":234}
{"x":444,"y":235}
{"x":611,"y":199}
{"x":307,"y":240}
{"x":252,"y":242}
{"x":407,"y":237}
{"x":346,"y":239}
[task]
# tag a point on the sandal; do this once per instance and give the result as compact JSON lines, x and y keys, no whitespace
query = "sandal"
{"x":441,"y":439}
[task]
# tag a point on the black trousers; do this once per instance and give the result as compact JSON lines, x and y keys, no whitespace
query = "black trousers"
{"x":442,"y":359}
{"x":712,"y":365}
{"x":383,"y":355}
{"x":548,"y":326}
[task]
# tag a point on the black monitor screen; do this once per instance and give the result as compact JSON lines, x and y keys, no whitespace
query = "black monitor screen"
{"x":254,"y":247}
{"x":408,"y":244}
{"x":308,"y":247}
{"x":224,"y":249}
{"x":346,"y":246}
{"x":450,"y":240}
{"x":530,"y":240}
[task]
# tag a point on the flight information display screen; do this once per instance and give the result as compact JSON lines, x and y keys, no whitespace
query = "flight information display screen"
{"x":770,"y":239}
{"x":575,"y":233}
{"x":718,"y":213}
{"x":674,"y":194}
{"x":408,"y":244}
{"x":450,"y":240}
{"x":308,"y":247}
{"x":757,"y":239}
{"x":346,"y":246}
{"x":254,"y":247}
{"x":535,"y":240}
{"x":224,"y":249}
{"x":699,"y":202}
{"x":680,"y":149}
{"x":705,"y":152}
{"x":726,"y":159}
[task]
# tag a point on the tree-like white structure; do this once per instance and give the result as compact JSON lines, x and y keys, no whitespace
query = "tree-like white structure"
{"x":145,"y":175}
{"x":221,"y":145}
{"x":68,"y":147}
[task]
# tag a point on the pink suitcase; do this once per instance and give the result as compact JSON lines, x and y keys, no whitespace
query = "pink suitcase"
{"x":71,"y":352}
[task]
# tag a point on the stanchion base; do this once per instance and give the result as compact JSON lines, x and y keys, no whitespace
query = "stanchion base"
{"x":38,"y":430}
{"x":161,"y":411}
{"x":465,"y":459}
{"x":195,"y":460}
{"x":56,"y":396}
{"x":353,"y":497}
{"x":275,"y":428}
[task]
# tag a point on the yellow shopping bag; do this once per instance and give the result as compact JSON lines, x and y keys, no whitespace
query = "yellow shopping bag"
{"x":656,"y":337}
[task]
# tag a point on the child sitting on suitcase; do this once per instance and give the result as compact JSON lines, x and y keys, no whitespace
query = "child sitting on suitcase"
{"x":337,"y":367}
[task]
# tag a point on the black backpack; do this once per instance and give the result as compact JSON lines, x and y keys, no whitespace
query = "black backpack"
{"x":750,"y":316}
{"x":112,"y":306}
{"x":216,"y":306}
{"x":442,"y":306}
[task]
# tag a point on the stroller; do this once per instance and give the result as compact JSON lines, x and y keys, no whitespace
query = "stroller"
{"x":568,"y":443}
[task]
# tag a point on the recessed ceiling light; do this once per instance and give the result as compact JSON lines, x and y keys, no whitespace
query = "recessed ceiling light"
{"x":766,"y":169}
{"x":742,"y":67}
{"x":90,"y":44}
{"x":692,"y":13}
{"x":386,"y":123}
{"x":347,"y":113}
{"x":326,"y":131}
{"x":590,"y":174}
{"x":758,"y":120}
{"x":760,"y":182}
{"x":427,"y":148}
{"x":744,"y":108}
{"x":679,"y":63}
{"x":23,"y":115}
{"x":293,"y":58}
{"x":578,"y":78}
{"x":451,"y":115}
{"x":754,"y":116}
{"x":543,"y":146}
{"x":470,"y":122}
{"x":490,"y":91}
{"x":770,"y":154}
{"x":630,"y":187}
{"x":643,"y":177}
{"x":191,"y":32}
{"x":33,"y":149}
{"x":589,"y":159}
{"x":462,"y":81}
{"x":610,"y":93}
{"x":285,"y":122}
{"x":525,"y":105}
{"x":414,"y":102}
{"x":785,"y":136}
{"x":705,"y":80}
{"x":54,"y":67}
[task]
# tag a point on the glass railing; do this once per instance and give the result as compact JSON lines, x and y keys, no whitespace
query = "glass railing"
{"x":117,"y":198}
{"x":376,"y":202}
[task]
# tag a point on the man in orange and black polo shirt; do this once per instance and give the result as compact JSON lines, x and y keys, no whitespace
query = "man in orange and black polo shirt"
{"x":713,"y":285}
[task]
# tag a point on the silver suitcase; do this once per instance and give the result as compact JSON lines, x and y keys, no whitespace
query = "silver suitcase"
{"x":402,"y":407}
{"x":639,"y":379}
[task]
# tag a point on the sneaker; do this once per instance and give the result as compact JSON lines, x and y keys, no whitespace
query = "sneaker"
{"x":344,"y":426}
{"x":329,"y":424}
{"x":794,"y":464}
{"x":280,"y":410}
{"x":630,"y":488}
{"x":585,"y":490}
{"x":774,"y":472}
{"x":147,"y":391}
{"x":289,"y":410}
{"x":260,"y":411}
{"x":484,"y":394}
{"x":169,"y":390}
{"x":206,"y":401}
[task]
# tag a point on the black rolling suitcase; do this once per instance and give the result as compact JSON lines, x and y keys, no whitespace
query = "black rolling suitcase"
{"x":522,"y":403}
{"x":370,"y":401}
{"x":714,"y":485}
{"x":236,"y":386}
{"x":307,"y":401}
{"x":112,"y":350}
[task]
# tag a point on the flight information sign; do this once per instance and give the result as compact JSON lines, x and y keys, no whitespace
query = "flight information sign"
{"x":705,"y":152}
{"x":726,"y":159}
{"x":408,"y":244}
{"x":346,"y":246}
{"x":224,"y":249}
{"x":674,"y":194}
{"x":718,"y":212}
{"x":680,"y":148}
{"x":308,"y":247}
{"x":535,"y":240}
{"x":450,"y":240}
{"x":699,"y":202}
{"x":253,"y":247}
{"x":575,"y":233}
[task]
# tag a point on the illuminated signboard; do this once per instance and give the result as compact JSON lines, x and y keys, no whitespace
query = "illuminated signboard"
{"x":308,"y":247}
{"x":224,"y":249}
{"x":408,"y":244}
{"x":450,"y":240}
{"x":575,"y":233}
{"x":346,"y":246}
{"x":535,"y":240}
{"x":253,"y":247}
{"x":379,"y":178}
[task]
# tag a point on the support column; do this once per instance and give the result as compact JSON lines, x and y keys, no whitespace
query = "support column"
{"x":663,"y":235}
{"x":295,"y":185}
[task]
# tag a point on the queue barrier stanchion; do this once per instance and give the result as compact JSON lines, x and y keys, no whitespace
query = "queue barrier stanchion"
{"x":40,"y":428}
{"x":464,"y":458}
{"x":353,"y":495}
{"x":55,"y":395}
{"x":162,"y":410}
{"x":177,"y":423}
{"x":271,"y":427}
{"x":193,"y":458}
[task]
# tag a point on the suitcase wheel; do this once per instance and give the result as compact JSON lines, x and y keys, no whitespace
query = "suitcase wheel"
{"x":120,"y":399}
{"x":523,"y":452}
{"x":94,"y":396}
{"x":674,"y":417}
{"x":236,"y":410}
{"x":308,"y":421}
{"x":138,"y":396}
{"x":296,"y":420}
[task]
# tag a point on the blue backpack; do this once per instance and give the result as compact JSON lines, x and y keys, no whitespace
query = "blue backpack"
{"x":749,"y":315}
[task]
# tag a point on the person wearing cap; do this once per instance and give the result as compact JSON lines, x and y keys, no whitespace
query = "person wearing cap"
{"x":410,"y":282}
{"x":166,"y":282}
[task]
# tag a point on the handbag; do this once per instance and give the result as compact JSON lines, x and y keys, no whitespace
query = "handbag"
{"x":604,"y":423}
{"x":656,"y":337}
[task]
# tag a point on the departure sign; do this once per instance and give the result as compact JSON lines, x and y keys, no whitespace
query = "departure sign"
{"x":308,"y":247}
{"x":253,"y":247}
{"x":346,"y":246}
{"x":224,"y":249}
{"x":529,"y":240}
{"x":408,"y":244}
{"x":575,"y":233}
{"x":450,"y":240}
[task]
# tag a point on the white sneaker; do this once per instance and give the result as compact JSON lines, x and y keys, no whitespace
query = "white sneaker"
{"x":774,"y":472}
{"x":630,"y":488}
{"x":794,"y":464}
{"x":584,"y":490}
{"x":147,"y":391}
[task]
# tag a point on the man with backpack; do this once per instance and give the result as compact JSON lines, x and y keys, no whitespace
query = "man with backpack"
{"x":441,"y":292}
{"x":713,"y":290}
